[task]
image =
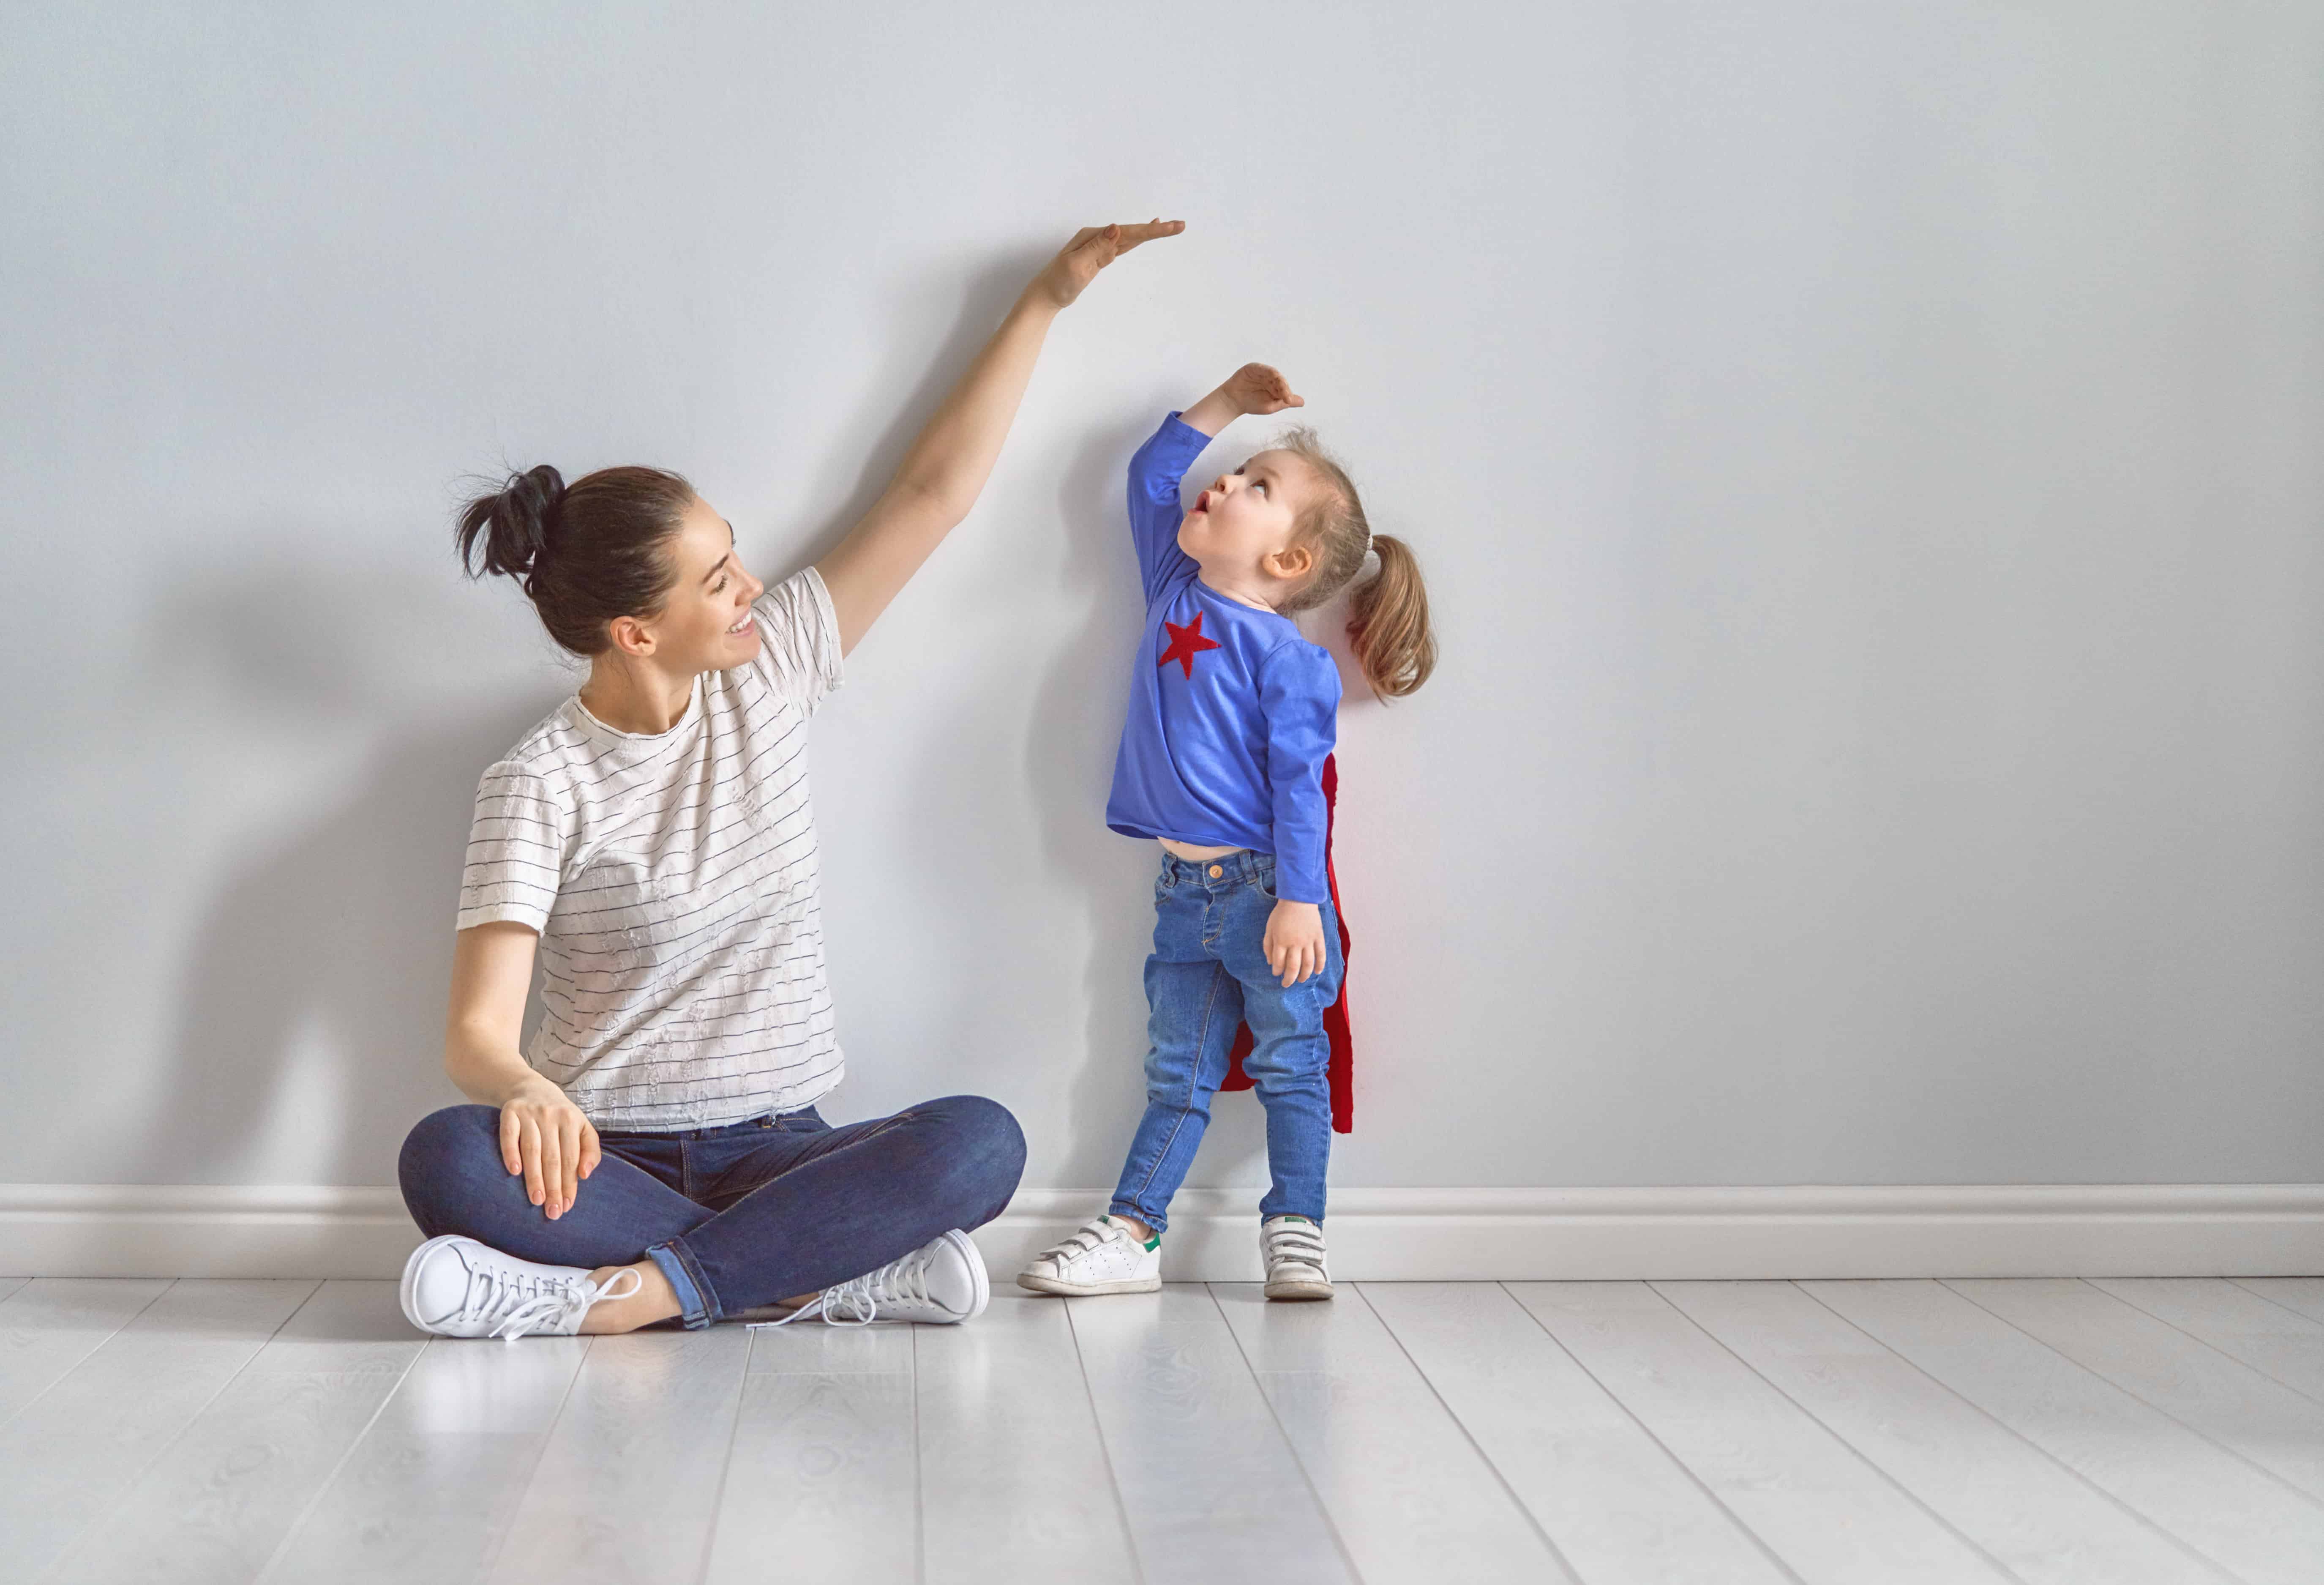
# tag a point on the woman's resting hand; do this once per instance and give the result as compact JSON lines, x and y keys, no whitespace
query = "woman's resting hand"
{"x":544,"y":1135}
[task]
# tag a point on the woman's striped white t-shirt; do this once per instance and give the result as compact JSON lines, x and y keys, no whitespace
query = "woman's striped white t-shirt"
{"x":672,"y":877}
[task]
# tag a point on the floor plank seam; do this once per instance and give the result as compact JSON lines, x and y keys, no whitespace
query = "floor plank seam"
{"x":2226,"y":1574}
{"x":523,"y":1489}
{"x":1555,"y":1551}
{"x":1105,"y":1450}
{"x":129,"y":1488}
{"x":2100,"y":1377}
{"x":1859,"y":1454}
{"x":64,"y":1552}
{"x":1775,"y":1559}
{"x":2207,"y":1343}
{"x":339,"y":1465}
{"x":1330,"y":1524}
{"x":726,"y":1464}
{"x":10,"y":1418}
{"x":2267,"y":1298}
{"x":919,"y":1476}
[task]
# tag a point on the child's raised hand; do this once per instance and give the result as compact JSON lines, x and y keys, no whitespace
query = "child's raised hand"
{"x":1256,"y":389}
{"x":1093,"y":248}
{"x":1294,"y":942}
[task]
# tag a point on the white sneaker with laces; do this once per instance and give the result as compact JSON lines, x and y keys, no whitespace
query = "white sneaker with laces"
{"x":1104,"y":1255}
{"x":940,"y":1284}
{"x":1293,"y":1248}
{"x":455,"y":1287}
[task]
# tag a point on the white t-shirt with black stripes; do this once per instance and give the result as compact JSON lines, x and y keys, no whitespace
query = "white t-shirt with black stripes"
{"x":672,"y":877}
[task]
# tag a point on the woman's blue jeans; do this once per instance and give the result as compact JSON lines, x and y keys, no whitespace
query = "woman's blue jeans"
{"x":734,"y":1217}
{"x":1208,"y":973}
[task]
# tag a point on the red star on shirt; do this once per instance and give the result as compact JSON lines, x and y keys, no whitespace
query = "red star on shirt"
{"x":1186,"y":643}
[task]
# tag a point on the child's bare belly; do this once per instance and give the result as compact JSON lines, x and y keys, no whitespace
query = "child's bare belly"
{"x":1193,"y":854}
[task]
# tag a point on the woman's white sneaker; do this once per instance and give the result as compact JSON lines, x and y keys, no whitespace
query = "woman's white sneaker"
{"x":1293,"y":1248}
{"x":940,"y":1284}
{"x":455,"y":1287}
{"x":1104,"y":1255}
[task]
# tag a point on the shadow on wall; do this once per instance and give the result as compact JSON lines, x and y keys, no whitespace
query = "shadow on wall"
{"x":985,"y":300}
{"x":309,"y":1028}
{"x":1068,"y":768}
{"x":311,"y":1025}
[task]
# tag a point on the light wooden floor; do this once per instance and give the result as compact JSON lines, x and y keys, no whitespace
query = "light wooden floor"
{"x":2075,"y":1433}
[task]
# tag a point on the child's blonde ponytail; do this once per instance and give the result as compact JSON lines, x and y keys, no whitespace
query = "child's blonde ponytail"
{"x":1387,"y":622}
{"x":1388,"y":619}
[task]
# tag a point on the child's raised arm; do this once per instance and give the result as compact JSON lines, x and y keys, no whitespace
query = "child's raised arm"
{"x":1160,"y":464}
{"x":1253,"y":389}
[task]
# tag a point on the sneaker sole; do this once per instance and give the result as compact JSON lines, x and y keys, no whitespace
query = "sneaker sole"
{"x":403,"y":1288}
{"x":1294,"y":1291}
{"x":1065,"y":1289}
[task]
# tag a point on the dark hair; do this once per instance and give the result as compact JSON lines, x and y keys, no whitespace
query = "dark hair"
{"x":1387,"y":612}
{"x":584,"y":554}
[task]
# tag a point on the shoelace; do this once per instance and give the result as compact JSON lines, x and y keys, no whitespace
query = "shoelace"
{"x":1089,"y":1236}
{"x":857,"y":1302}
{"x":525,"y":1300}
{"x":1296,"y":1241}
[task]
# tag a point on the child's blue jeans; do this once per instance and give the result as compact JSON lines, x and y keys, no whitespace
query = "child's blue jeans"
{"x":1208,"y":973}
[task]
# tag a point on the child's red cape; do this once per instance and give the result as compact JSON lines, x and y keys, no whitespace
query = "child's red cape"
{"x":1341,"y":1070}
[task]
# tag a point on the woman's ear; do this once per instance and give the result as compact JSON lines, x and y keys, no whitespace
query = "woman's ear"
{"x":629,"y":636}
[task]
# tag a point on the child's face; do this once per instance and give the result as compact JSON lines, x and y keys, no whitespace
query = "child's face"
{"x":1241,"y":527}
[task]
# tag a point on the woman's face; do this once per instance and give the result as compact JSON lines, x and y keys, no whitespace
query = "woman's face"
{"x":704,"y":625}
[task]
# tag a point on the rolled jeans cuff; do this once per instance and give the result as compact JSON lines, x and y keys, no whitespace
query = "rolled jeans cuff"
{"x":697,"y":1303}
{"x":1159,"y":1221}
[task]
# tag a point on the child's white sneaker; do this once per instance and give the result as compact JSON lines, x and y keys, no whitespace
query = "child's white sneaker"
{"x":1104,"y":1255}
{"x":1293,"y":1248}
{"x":455,"y":1287}
{"x":940,"y":1284}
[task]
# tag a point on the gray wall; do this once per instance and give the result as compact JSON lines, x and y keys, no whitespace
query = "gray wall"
{"x":1865,"y":457}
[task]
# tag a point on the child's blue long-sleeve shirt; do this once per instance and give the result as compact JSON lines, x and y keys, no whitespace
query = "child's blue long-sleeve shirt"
{"x":1232,"y":712}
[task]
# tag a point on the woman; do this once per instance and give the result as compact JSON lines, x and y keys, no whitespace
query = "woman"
{"x":652,"y":839}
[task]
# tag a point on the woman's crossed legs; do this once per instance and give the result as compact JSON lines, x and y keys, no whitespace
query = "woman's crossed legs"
{"x":729,"y":1218}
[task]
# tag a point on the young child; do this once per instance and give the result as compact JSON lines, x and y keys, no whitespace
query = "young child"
{"x":1231,"y":715}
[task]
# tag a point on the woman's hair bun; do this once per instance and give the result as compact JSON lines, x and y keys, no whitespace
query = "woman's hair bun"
{"x":514,"y":524}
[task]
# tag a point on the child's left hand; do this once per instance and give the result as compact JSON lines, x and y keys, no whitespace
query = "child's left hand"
{"x":1294,"y":942}
{"x":1258,"y":389}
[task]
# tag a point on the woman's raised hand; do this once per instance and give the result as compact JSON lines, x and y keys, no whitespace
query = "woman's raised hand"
{"x":1093,"y":248}
{"x":544,"y":1135}
{"x":1255,"y":389}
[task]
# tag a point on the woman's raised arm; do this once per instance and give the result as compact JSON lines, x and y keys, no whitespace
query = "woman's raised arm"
{"x":945,"y":471}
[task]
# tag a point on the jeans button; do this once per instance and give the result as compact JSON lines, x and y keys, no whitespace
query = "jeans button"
{"x":1216,"y":872}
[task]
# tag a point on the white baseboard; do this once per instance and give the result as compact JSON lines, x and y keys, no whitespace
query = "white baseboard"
{"x":1381,"y":1235}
